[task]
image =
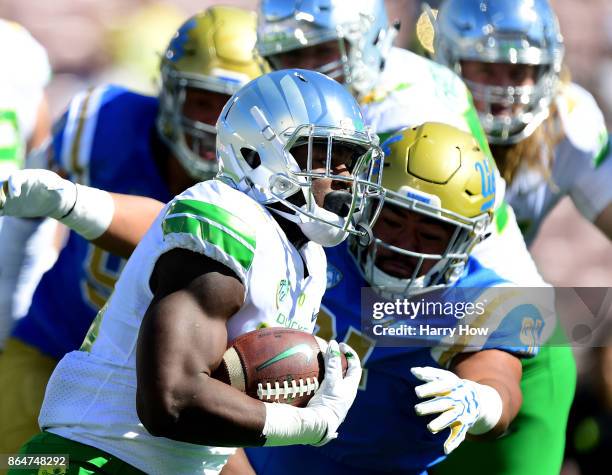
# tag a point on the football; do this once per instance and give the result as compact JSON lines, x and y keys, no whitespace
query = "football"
{"x":275,"y":365}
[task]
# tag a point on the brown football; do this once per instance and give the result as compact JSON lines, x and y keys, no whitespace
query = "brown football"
{"x":275,"y":365}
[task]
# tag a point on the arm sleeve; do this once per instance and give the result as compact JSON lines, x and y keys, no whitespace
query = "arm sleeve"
{"x":28,"y":251}
{"x":71,"y":148}
{"x":585,"y":152}
{"x":210,"y":229}
{"x":591,"y":191}
{"x":514,"y":320}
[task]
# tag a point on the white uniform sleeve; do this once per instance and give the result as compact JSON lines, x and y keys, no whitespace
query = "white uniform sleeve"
{"x":505,"y":251}
{"x":26,"y":73}
{"x":584,"y":154}
{"x":218,"y":228}
{"x":27,"y":253}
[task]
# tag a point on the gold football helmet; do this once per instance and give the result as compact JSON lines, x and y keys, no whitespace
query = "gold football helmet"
{"x":438,"y":171}
{"x":212,"y":51}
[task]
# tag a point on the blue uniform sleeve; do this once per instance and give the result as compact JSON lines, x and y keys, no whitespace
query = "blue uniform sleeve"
{"x":70,"y":150}
{"x":516,"y":320}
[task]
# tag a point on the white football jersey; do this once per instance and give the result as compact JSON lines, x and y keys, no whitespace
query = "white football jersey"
{"x":91,"y":396}
{"x":25,"y":257}
{"x":581,"y":168}
{"x":413,"y":90}
{"x":25,"y":73}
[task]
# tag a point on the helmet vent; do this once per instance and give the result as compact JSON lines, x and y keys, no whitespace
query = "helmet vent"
{"x":300,"y":77}
{"x":251,"y":157}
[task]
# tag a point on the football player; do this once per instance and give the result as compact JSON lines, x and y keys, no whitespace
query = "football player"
{"x":436,"y":209}
{"x":294,"y":161}
{"x":397,"y":88}
{"x":23,"y":103}
{"x":24,"y":125}
{"x":548,"y":135}
{"x":549,"y":140}
{"x":120,"y":141}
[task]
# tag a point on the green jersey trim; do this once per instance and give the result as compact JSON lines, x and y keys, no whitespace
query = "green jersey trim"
{"x":603,"y":153}
{"x":473,"y":122}
{"x":501,"y":217}
{"x":215,"y":225}
{"x":11,"y":149}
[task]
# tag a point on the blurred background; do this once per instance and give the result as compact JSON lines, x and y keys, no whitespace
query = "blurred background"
{"x":94,"y":41}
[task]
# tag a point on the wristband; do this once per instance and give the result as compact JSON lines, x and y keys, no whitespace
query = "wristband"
{"x":491,"y":408}
{"x":289,"y":425}
{"x":92,"y":212}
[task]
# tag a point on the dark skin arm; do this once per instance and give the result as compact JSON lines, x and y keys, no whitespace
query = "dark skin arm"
{"x":182,"y":340}
{"x":500,"y":370}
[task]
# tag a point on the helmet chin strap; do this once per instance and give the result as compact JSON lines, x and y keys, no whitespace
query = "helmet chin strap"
{"x":388,"y":286}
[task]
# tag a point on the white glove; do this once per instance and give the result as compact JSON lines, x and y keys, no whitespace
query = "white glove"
{"x":318,"y":422}
{"x":37,"y":194}
{"x":42,"y":193}
{"x":336,"y":395}
{"x":465,"y":406}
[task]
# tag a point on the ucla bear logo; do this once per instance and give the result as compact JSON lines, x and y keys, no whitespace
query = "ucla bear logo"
{"x":176,"y":50}
{"x":334,"y":276}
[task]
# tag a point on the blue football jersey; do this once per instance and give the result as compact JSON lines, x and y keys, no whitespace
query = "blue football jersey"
{"x":104,"y":140}
{"x":382,"y":433}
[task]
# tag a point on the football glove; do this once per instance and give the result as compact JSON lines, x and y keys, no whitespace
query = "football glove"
{"x":464,"y":406}
{"x":318,"y":422}
{"x":35,"y":193}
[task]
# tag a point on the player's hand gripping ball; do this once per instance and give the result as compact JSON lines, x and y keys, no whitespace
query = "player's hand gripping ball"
{"x":276,"y":365}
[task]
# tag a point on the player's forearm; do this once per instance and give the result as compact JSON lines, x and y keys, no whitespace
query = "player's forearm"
{"x":182,"y":340}
{"x":113,"y":221}
{"x":511,"y":399}
{"x":604,"y":221}
{"x":132,"y":217}
{"x":204,"y":411}
{"x":500,"y":371}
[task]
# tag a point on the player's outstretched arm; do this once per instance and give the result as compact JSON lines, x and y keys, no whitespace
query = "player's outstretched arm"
{"x":112,"y":221}
{"x":132,"y":217}
{"x":182,"y":340}
{"x":479,"y":398}
{"x":604,"y":221}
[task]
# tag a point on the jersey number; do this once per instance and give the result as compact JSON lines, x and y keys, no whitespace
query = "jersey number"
{"x":102,"y":271}
{"x":361,"y":343}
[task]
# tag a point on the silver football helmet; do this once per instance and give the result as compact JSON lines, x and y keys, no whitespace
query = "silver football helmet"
{"x":259,"y":131}
{"x":286,"y":25}
{"x":509,"y":31}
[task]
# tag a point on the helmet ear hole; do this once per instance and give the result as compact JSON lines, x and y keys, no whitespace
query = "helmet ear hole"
{"x":251,"y":157}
